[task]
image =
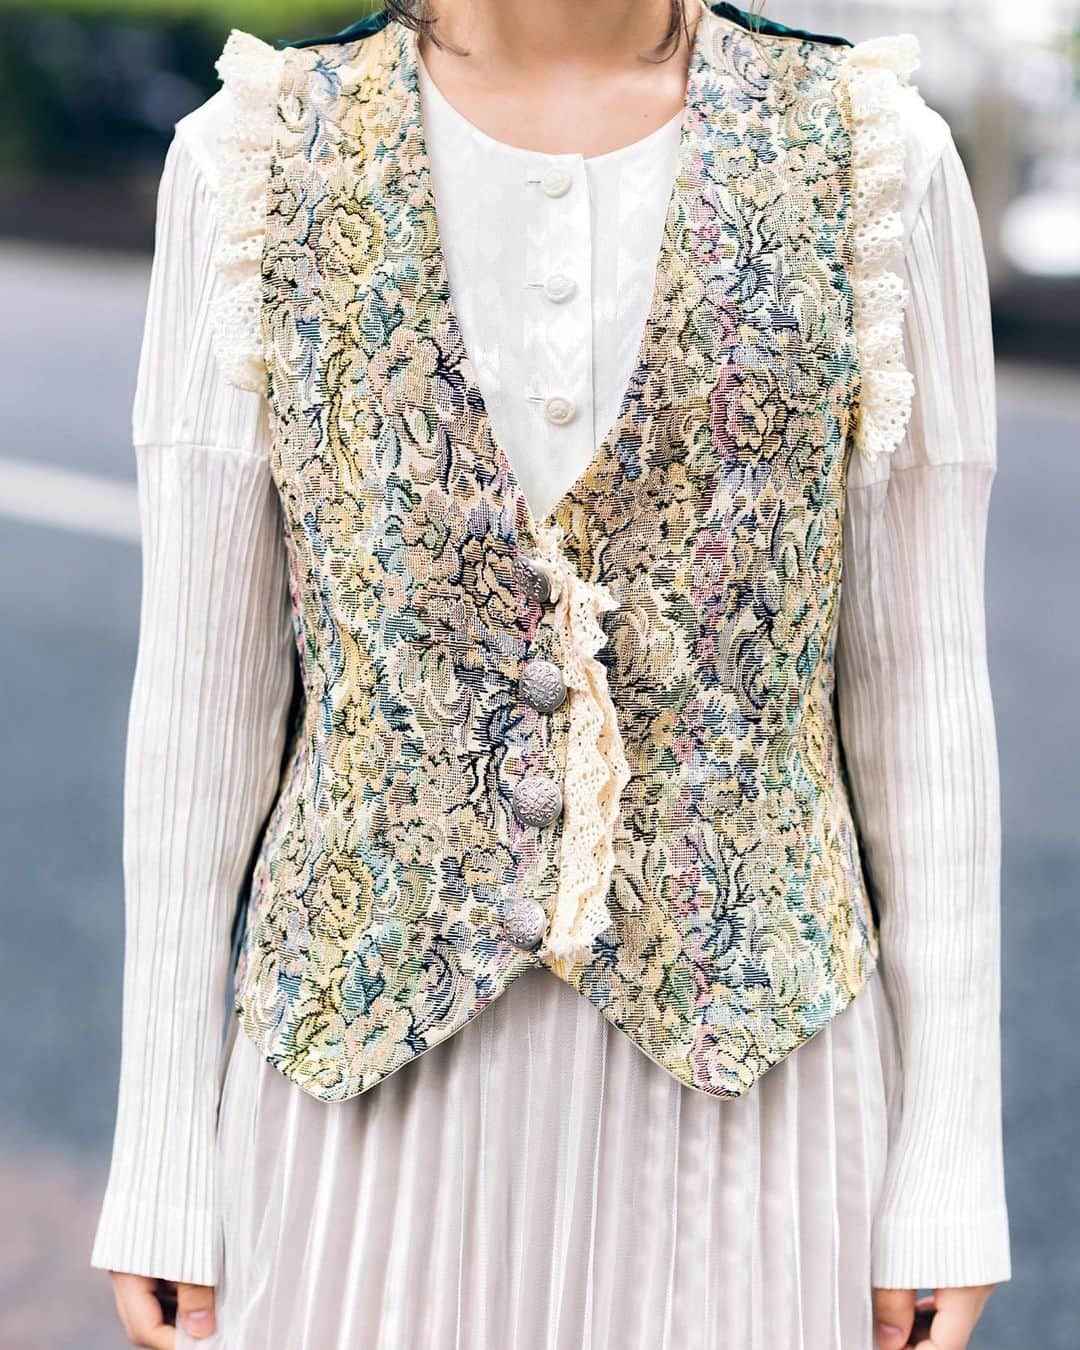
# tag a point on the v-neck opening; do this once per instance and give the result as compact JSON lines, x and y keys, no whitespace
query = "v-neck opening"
{"x":656,"y":320}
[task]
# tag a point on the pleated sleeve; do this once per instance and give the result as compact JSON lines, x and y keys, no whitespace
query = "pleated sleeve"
{"x":205,"y":736}
{"x":918,"y":733}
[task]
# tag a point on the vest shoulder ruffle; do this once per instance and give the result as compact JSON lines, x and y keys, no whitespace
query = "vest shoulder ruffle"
{"x":872,"y":76}
{"x":251,"y":72}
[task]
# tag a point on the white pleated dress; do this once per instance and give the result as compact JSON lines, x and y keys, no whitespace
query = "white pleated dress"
{"x":536,"y":1182}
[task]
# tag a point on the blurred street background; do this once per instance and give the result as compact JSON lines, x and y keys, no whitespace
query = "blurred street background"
{"x":89,"y":93}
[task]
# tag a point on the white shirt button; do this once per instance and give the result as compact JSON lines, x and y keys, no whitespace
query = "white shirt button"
{"x":559,"y":410}
{"x":556,"y":180}
{"x":559,"y":287}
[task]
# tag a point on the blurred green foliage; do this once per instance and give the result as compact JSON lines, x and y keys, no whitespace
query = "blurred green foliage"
{"x":256,"y":15}
{"x":93,"y":88}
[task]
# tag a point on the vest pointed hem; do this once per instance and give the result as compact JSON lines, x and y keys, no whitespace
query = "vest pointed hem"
{"x":320,"y":1065}
{"x":718,"y":1065}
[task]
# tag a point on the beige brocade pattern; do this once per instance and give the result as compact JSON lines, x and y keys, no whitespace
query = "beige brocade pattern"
{"x":740,"y":921}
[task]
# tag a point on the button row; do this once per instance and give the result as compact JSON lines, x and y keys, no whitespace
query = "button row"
{"x":537,"y":799}
{"x":556,"y":180}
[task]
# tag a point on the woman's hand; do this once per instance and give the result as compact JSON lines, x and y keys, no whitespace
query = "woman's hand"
{"x":943,"y":1320}
{"x":149,"y":1307}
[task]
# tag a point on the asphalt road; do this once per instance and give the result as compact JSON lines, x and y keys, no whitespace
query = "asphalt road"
{"x":69,"y":597}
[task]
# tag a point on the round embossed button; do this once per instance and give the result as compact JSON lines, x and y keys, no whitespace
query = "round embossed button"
{"x":537,"y":800}
{"x":558,"y":409}
{"x":556,"y":180}
{"x":542,"y":685}
{"x":559,"y":287}
{"x":525,"y":923}
{"x":534,"y":580}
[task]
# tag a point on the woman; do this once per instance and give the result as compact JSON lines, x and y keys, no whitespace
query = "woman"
{"x":556,"y":553}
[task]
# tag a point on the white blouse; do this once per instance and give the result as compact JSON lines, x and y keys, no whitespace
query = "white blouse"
{"x":551,"y":292}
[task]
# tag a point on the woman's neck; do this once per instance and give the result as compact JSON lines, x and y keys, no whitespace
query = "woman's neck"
{"x":522,"y":36}
{"x":561,"y":76}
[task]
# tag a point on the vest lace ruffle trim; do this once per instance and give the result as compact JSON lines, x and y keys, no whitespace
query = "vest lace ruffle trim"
{"x":250,"y":70}
{"x":873,"y":75}
{"x":596,"y":766}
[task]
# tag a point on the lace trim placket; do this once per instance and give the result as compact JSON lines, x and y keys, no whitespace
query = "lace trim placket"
{"x":596,"y":766}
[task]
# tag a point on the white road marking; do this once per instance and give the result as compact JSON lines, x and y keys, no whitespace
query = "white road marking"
{"x":81,"y":502}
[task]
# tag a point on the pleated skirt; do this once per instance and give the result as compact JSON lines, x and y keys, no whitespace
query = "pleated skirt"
{"x":537,"y":1183}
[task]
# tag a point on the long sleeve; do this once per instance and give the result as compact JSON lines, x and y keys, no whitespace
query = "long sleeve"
{"x":206,"y":732}
{"x":917,"y":727}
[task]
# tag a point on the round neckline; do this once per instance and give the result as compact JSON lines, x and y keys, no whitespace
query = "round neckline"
{"x":524,"y":152}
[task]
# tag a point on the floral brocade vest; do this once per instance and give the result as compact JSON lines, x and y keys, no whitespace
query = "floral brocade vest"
{"x":603,"y":742}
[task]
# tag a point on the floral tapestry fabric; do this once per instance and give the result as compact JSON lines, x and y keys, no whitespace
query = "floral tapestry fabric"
{"x":721,"y":914}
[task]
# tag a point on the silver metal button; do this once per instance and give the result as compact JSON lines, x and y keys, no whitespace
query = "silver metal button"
{"x":558,"y":409}
{"x":525,"y":923}
{"x":559,"y":287}
{"x":537,"y":800}
{"x":533,"y":579}
{"x":542,"y":685}
{"x":556,"y":180}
